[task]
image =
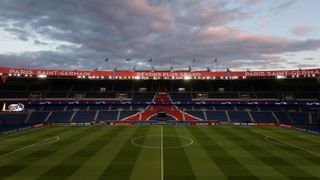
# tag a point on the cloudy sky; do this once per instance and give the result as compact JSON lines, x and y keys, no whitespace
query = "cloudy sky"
{"x":80,"y":34}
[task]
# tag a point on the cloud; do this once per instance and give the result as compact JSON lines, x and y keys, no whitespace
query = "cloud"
{"x":281,"y":5}
{"x":252,"y":2}
{"x":301,"y":30}
{"x":309,"y":58}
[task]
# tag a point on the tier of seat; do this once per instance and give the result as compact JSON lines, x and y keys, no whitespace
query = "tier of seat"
{"x":297,"y":118}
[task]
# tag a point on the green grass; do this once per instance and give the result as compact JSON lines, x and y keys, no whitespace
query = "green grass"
{"x":219,"y":152}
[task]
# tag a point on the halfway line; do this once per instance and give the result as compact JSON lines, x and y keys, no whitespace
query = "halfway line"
{"x":161,"y":149}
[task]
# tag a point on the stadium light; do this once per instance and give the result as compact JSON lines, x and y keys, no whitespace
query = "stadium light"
{"x":42,"y":76}
{"x":281,"y":77}
{"x":187,"y":77}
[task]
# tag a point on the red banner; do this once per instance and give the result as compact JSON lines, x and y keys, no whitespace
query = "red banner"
{"x":160,"y":74}
{"x":307,"y":72}
{"x":286,"y":126}
{"x":72,"y":73}
{"x":121,"y":124}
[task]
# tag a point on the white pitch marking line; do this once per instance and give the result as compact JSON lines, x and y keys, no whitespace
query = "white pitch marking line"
{"x":161,"y":149}
{"x":12,"y":139}
{"x":273,"y":141}
{"x":292,"y":145}
{"x":57,"y":138}
{"x":39,"y":143}
{"x":309,"y":138}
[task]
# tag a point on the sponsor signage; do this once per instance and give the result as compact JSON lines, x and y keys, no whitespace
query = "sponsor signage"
{"x":200,"y":123}
{"x":213,"y":102}
{"x":16,"y":107}
{"x":16,"y":130}
{"x":121,"y":124}
{"x":285,"y":125}
{"x":37,"y":125}
{"x":160,"y":74}
{"x":183,"y":123}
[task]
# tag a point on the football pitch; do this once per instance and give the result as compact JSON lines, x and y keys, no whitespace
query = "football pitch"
{"x":160,"y":152}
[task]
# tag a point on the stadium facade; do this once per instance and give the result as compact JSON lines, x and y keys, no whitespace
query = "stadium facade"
{"x":284,"y":97}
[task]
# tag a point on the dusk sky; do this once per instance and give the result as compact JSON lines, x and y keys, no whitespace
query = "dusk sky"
{"x":80,"y":34}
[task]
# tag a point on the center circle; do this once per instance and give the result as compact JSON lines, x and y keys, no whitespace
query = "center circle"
{"x":154,"y":141}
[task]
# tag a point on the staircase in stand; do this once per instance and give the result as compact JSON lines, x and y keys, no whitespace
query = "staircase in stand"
{"x":171,"y":110}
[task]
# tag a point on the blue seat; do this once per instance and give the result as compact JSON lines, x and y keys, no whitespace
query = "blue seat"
{"x":84,"y":116}
{"x":38,"y":117}
{"x":223,"y":108}
{"x":198,"y":114}
{"x":181,"y":97}
{"x":60,"y":116}
{"x":14,"y":119}
{"x":315,"y":119}
{"x":236,"y":116}
{"x":107,"y":116}
{"x":299,"y":118}
{"x":124,"y":114}
{"x":216,"y":115}
{"x":263,"y":117}
{"x":143,"y":97}
{"x":282,"y":117}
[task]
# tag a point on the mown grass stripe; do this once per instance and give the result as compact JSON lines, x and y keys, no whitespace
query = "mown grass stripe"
{"x":93,"y":168}
{"x":306,"y":138}
{"x":73,"y":162}
{"x":203,"y":167}
{"x":33,"y":138}
{"x":279,"y":164}
{"x":25,"y":132}
{"x":123,"y":163}
{"x":37,"y":154}
{"x":286,"y":152}
{"x":176,"y":162}
{"x":148,"y":163}
{"x":298,"y":152}
{"x":231,"y":167}
{"x":293,"y":135}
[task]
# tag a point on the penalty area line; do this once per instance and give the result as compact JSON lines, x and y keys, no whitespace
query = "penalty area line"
{"x":36,"y":144}
{"x":289,"y":144}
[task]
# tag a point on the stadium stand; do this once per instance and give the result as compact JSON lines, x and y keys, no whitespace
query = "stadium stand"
{"x":299,"y":118}
{"x":60,"y":116}
{"x":239,"y":116}
{"x":38,"y":117}
{"x":14,"y":119}
{"x":216,"y":116}
{"x":263,"y":117}
{"x":84,"y":116}
{"x":107,"y":116}
{"x":71,"y":100}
